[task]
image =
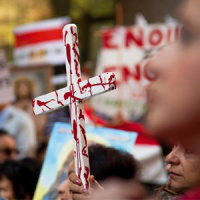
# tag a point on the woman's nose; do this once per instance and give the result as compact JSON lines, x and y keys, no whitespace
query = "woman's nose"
{"x":172,"y":157}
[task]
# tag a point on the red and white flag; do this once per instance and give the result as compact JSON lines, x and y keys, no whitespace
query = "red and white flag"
{"x":40,"y":42}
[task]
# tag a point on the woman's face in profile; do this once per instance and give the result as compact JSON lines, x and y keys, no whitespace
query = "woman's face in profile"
{"x":183,"y":166}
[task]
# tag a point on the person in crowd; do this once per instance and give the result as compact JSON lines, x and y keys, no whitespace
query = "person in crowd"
{"x":19,"y":125}
{"x":8,"y":149}
{"x":106,"y":163}
{"x":16,"y":122}
{"x":183,"y":166}
{"x":174,"y":94}
{"x":24,"y":89}
{"x":18,"y":179}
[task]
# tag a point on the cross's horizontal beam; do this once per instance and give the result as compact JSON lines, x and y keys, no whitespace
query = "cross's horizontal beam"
{"x":82,"y":91}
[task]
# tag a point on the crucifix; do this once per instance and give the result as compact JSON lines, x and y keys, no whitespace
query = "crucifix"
{"x":73,"y":95}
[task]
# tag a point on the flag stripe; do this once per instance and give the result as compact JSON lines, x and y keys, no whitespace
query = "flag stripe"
{"x":30,"y":38}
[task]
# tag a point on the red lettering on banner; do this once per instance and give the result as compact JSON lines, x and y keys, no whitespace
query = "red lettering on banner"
{"x":138,"y":36}
{"x":107,"y":41}
{"x":155,"y":37}
{"x":127,"y":74}
{"x":131,"y":38}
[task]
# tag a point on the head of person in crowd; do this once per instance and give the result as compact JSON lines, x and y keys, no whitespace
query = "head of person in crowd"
{"x":105,"y":163}
{"x":18,"y":179}
{"x":183,"y":166}
{"x":8,"y":149}
{"x":174,"y":94}
{"x":24,"y":88}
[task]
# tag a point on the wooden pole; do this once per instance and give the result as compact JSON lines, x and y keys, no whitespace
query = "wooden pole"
{"x":119,"y":13}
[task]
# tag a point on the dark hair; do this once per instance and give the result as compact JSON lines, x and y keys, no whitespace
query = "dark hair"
{"x":42,"y":146}
{"x":107,"y":162}
{"x":3,"y":132}
{"x":23,"y":174}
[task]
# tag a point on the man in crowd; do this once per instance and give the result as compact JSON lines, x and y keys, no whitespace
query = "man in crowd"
{"x":174,"y":95}
{"x":8,"y":150}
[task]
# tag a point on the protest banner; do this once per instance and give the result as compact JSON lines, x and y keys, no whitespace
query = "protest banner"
{"x":124,"y":51}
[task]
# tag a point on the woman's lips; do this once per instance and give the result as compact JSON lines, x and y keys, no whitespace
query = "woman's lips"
{"x":173,"y":174}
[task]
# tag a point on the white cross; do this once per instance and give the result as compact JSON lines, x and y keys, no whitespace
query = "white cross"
{"x":73,"y":95}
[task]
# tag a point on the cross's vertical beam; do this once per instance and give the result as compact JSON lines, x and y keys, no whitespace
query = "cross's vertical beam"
{"x":70,"y":37}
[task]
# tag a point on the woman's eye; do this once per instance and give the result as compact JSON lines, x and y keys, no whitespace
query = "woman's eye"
{"x":188,"y":151}
{"x":186,"y":36}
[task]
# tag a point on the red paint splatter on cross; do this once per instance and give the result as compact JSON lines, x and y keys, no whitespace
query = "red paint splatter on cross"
{"x":66,"y":32}
{"x":89,"y":85}
{"x":84,"y":151}
{"x":83,"y":133}
{"x":81,"y":116}
{"x":75,"y":131}
{"x":112,"y":76}
{"x":76,"y":68}
{"x":68,"y":52}
{"x":41,"y":103}
{"x":76,"y":52}
{"x":71,"y":96}
{"x":58,"y":101}
{"x":75,"y":35}
{"x":86,"y":175}
{"x":75,"y":134}
{"x":101,"y":80}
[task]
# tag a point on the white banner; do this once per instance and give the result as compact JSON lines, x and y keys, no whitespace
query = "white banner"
{"x":123,"y":51}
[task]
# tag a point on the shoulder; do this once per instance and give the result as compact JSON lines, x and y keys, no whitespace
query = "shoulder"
{"x":19,"y":115}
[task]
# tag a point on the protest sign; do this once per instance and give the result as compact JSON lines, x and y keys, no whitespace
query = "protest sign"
{"x":124,"y":51}
{"x":60,"y":154}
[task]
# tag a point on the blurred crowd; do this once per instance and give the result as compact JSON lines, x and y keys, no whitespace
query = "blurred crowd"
{"x":173,"y":118}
